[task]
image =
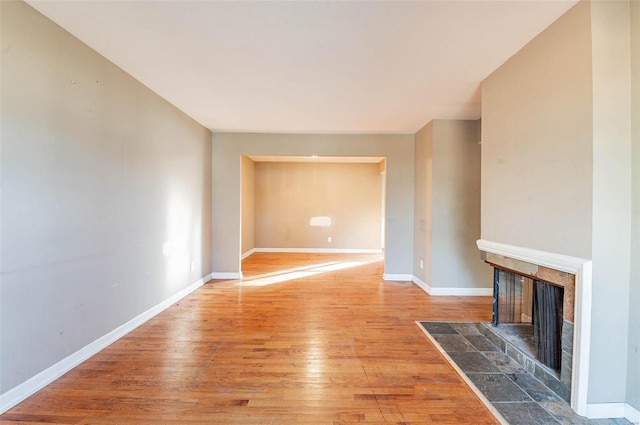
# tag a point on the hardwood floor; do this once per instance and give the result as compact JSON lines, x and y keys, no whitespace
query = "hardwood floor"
{"x":304,"y":339}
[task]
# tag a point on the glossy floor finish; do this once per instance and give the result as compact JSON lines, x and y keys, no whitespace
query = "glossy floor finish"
{"x":303,"y":339}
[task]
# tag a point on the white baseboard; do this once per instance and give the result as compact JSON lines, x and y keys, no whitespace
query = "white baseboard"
{"x":397,"y":277}
{"x":613,"y":410}
{"x":321,"y":250}
{"x":44,"y":378}
{"x":248,"y":253}
{"x":605,"y":410}
{"x":226,"y":276}
{"x":460,"y":292}
{"x":632,"y":414}
{"x":421,"y":284}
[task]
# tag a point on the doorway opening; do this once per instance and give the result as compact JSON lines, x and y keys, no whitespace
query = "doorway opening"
{"x":312,"y":204}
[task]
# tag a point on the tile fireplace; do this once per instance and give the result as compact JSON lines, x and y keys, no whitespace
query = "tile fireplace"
{"x":542,"y":304}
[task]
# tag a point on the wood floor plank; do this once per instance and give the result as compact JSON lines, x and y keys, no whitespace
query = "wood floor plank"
{"x":304,"y":338}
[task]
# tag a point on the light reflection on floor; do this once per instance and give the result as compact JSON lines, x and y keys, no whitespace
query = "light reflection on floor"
{"x":299,"y":273}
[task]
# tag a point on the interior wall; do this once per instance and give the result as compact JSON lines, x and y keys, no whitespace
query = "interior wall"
{"x":611,"y":200}
{"x":106,"y":196}
{"x":422,"y":227}
{"x":248,"y":204}
{"x":633,"y":379}
{"x":537,"y":131}
{"x":289,"y":194}
{"x":455,"y":207}
{"x":447,"y":206}
{"x":556,"y":165}
{"x":398,"y":149}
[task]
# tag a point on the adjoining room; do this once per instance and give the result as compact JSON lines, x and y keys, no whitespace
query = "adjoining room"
{"x":313,"y":204}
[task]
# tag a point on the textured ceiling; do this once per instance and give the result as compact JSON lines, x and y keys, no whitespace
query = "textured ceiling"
{"x":310,"y":66}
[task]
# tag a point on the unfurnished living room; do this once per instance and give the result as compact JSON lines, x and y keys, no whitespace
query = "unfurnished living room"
{"x":320,"y":212}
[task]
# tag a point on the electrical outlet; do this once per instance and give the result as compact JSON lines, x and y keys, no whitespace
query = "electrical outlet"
{"x":193,"y":266}
{"x":421,"y":265}
{"x":329,"y":239}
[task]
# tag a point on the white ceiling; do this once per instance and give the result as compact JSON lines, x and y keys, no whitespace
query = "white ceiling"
{"x":310,"y":66}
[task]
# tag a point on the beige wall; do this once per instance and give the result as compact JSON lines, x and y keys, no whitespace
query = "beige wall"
{"x":447,"y":206}
{"x":248,"y":204}
{"x":611,"y":199}
{"x":422,"y":211}
{"x":456,"y":207}
{"x":537,"y":132}
{"x":289,"y":194}
{"x":398,"y":149}
{"x":106,"y":196}
{"x":633,"y":380}
{"x":556,"y":168}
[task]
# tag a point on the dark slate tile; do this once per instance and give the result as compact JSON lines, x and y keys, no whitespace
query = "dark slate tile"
{"x":481,"y":343}
{"x":495,"y":339}
{"x":520,"y":336}
{"x":504,"y":363}
{"x":466,"y":328}
{"x":536,"y":389}
{"x":525,"y":414}
{"x":525,"y":361}
{"x":616,"y":421}
{"x":472,"y":361}
{"x":450,"y":343}
{"x":520,"y":331}
{"x":567,"y":337}
{"x":566,"y":370}
{"x":497,"y":387}
{"x":552,"y":382}
{"x":563,"y":413}
{"x":438,"y":328}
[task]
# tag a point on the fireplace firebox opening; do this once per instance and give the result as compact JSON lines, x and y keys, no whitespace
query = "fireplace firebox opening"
{"x":536,"y":307}
{"x":533,"y":314}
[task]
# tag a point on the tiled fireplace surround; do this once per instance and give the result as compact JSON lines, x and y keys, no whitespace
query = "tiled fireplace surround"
{"x":574,"y":275}
{"x":560,"y":385}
